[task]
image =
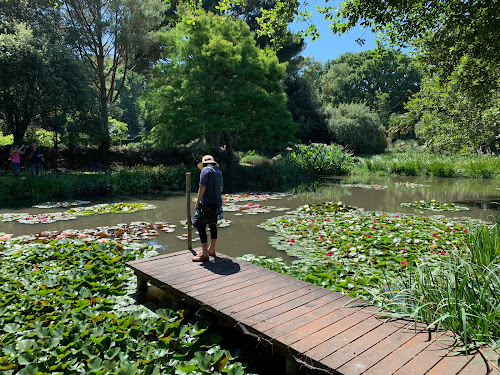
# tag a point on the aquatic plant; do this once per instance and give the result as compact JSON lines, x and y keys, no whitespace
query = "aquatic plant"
{"x":433,"y":205}
{"x":66,"y":308}
{"x":356,"y":252}
{"x":73,"y":213}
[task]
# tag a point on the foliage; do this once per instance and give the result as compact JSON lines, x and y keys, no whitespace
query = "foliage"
{"x":6,"y":140}
{"x":384,"y":79}
{"x":360,"y":253}
{"x":304,"y":105}
{"x":65,"y":310}
{"x":320,"y":159}
{"x":357,"y":128}
{"x":428,"y":164}
{"x":140,"y":180}
{"x":117,"y":130}
{"x":435,"y":206}
{"x":252,"y":158}
{"x":446,"y":114}
{"x":214,"y":81}
{"x":484,"y":244}
{"x":417,"y":267}
{"x":42,"y":84}
{"x":461,"y":295}
{"x":111,"y":36}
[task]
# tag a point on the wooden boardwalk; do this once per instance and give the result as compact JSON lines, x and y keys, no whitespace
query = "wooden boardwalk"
{"x":309,"y":325}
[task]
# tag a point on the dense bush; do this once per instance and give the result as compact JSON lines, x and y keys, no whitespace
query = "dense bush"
{"x":357,"y":128}
{"x":318,"y":158}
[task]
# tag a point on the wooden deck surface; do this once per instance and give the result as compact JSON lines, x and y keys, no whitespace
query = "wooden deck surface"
{"x":313,"y":326}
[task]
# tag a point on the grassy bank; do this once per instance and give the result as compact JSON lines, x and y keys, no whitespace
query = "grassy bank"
{"x":301,"y":164}
{"x":136,"y":180}
{"x":424,"y":164}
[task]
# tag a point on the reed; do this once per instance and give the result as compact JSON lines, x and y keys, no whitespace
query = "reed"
{"x":461,"y":295}
{"x":424,"y":164}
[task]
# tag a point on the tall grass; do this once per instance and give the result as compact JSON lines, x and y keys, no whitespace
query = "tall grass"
{"x":425,"y":164}
{"x":461,"y":295}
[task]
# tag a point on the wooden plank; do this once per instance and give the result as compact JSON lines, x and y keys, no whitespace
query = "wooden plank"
{"x":450,"y":364}
{"x":290,"y":331}
{"x":477,"y":366}
{"x":251,"y":296}
{"x":297,"y":312}
{"x":428,"y":358}
{"x":361,"y":344}
{"x":267,"y":301}
{"x":372,"y":356}
{"x":399,"y":357}
{"x":185,"y":278}
{"x":316,"y":337}
{"x":290,"y":305}
{"x":143,"y":261}
{"x":229,"y":287}
{"x":341,"y":339}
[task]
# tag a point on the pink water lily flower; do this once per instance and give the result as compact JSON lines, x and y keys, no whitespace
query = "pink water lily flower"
{"x":103,"y":240}
{"x":434,"y":235}
{"x":292,"y":239}
{"x":404,"y":263}
{"x":369,"y":236}
{"x":329,"y":254}
{"x":442,"y":252}
{"x":43,"y":218}
{"x":59,"y":236}
{"x":403,"y":250}
{"x":5,"y":238}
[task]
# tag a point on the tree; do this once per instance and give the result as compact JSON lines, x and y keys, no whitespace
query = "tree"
{"x":42,"y":84}
{"x":451,"y":121}
{"x":357,"y":128}
{"x":304,"y":106}
{"x":448,"y":32}
{"x":216,"y":82}
{"x":383,"y":79}
{"x":108,"y":35}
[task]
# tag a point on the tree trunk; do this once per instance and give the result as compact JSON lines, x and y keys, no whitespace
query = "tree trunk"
{"x":229,"y":148}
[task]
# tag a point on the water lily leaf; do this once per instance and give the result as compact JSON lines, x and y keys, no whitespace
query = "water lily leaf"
{"x":25,"y":345}
{"x":11,"y":327}
{"x":112,"y":353}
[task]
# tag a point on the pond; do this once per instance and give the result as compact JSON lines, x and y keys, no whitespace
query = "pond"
{"x":482,"y":197}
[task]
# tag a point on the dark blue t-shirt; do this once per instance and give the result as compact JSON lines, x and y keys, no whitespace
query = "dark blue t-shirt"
{"x":211,"y":178}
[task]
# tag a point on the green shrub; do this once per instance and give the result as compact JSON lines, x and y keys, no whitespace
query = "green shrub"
{"x":320,"y":159}
{"x":357,"y":128}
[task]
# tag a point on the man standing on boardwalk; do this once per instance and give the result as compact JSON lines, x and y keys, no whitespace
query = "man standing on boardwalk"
{"x":209,"y":202}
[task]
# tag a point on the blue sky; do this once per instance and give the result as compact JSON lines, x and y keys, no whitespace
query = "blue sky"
{"x":331,"y":46}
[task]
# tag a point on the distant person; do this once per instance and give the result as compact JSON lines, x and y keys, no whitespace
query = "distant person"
{"x":15,"y":158}
{"x":35,"y":157}
{"x":209,"y":201}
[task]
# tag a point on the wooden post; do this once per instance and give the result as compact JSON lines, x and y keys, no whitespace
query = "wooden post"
{"x":188,"y":207}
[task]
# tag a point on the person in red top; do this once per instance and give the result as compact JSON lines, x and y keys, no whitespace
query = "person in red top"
{"x":15,"y":158}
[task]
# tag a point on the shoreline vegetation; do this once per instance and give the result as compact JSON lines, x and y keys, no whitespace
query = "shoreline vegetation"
{"x":250,"y":171}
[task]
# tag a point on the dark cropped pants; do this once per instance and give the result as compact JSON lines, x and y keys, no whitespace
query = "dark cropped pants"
{"x":202,"y":230}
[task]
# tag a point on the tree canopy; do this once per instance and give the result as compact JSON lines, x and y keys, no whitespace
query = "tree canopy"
{"x":214,"y":81}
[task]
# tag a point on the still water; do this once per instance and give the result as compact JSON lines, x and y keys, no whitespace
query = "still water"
{"x":482,"y":197}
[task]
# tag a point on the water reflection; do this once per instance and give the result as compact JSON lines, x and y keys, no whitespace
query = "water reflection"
{"x":243,"y":236}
